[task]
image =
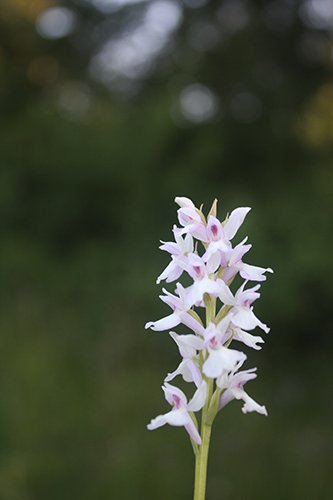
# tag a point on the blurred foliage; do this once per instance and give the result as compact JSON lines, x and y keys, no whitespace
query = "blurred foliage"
{"x":85,"y":197}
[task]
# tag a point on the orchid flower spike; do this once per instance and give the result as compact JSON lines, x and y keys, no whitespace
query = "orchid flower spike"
{"x":216,"y":314}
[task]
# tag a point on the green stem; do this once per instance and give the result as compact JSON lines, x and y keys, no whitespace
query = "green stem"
{"x":201,"y":464}
{"x":201,"y":458}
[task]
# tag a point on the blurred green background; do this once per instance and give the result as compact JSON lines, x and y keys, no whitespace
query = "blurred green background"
{"x":108,"y":110}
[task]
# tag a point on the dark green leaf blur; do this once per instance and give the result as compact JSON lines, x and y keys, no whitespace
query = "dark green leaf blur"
{"x":108,"y":110}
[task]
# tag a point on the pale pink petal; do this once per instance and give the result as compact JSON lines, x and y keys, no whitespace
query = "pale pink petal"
{"x":225,"y":398}
{"x":182,"y":201}
{"x":181,"y":370}
{"x":171,"y":273}
{"x":188,"y":216}
{"x":165,"y":323}
{"x":224,"y":323}
{"x":192,"y":323}
{"x":221,"y":359}
{"x":229,"y":273}
{"x":241,"y":378}
{"x":250,"y":405}
{"x":245,"y":318}
{"x":246,"y":296}
{"x":195,"y":372}
{"x":189,"y":370}
{"x":239,"y":251}
{"x":193,"y":432}
{"x":199,"y":398}
{"x":157,"y":422}
{"x":177,"y":417}
{"x":200,"y":287}
{"x":170,"y":247}
{"x":253,"y":273}
{"x":188,"y":343}
{"x":247,"y":338}
{"x":213,"y":262}
{"x":234,"y":221}
{"x":225,"y":294}
{"x":233,"y":385}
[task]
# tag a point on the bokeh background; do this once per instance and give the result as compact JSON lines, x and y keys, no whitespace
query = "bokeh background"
{"x":108,"y":110}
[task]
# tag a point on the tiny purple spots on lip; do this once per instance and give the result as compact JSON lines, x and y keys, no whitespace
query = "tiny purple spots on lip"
{"x":176,"y":400}
{"x":213,"y":342}
{"x":197,"y":270}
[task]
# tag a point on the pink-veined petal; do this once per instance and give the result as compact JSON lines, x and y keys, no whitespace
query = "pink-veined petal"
{"x":232,"y":383}
{"x":172,"y":393}
{"x":188,"y":216}
{"x":239,"y":251}
{"x":246,"y":296}
{"x":214,"y":229}
{"x":241,"y":378}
